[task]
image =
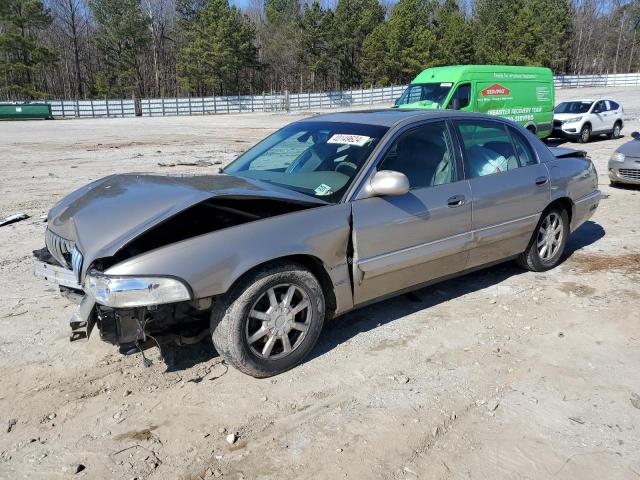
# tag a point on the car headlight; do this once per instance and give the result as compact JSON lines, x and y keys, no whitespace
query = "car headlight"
{"x":128,"y":292}
{"x":572,"y":120}
{"x":617,"y":157}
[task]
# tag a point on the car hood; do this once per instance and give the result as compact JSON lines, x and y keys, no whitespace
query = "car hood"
{"x":103,"y":216}
{"x":630,"y":149}
{"x":565,"y":116}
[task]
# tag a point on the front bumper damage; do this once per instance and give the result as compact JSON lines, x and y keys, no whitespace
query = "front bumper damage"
{"x":131,"y":329}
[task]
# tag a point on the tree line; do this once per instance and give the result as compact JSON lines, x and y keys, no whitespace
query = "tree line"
{"x":123,"y":48}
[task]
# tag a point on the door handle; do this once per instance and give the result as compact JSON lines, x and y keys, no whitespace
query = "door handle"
{"x":541,"y":181}
{"x":456,"y":201}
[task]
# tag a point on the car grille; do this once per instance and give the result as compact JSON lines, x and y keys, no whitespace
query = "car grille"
{"x":629,"y":173}
{"x":59,"y":248}
{"x":76,"y":262}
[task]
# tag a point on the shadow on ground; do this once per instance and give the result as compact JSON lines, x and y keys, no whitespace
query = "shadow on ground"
{"x":368,"y":318}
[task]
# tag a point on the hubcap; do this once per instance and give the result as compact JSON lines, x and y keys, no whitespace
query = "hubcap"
{"x":278,"y":321}
{"x":616,"y":131}
{"x":585,"y":134}
{"x":550,"y":236}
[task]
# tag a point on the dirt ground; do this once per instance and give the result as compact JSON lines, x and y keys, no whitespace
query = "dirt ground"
{"x":498,"y":374}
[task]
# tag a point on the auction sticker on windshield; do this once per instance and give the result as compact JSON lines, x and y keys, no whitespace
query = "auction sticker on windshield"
{"x":359,"y":140}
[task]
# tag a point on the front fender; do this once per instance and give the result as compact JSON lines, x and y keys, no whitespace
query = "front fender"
{"x":212,"y":262}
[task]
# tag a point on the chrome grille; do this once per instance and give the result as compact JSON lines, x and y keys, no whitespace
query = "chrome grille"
{"x":629,"y":173}
{"x":76,"y":263}
{"x":59,"y":248}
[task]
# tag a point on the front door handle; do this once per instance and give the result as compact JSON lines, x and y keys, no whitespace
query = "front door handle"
{"x":541,"y":181}
{"x":456,"y":201}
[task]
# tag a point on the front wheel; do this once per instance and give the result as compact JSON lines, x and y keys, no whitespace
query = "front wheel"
{"x":585,"y":134}
{"x":269,"y":322}
{"x":548,"y":242}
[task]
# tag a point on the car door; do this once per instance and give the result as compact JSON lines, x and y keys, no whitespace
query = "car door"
{"x":598,"y":117}
{"x":462,"y":96}
{"x":509,"y":188}
{"x":403,"y":241}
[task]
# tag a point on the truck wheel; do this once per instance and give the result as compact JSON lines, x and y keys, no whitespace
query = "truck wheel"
{"x":548,"y":241}
{"x":585,"y":134}
{"x":270,"y":321}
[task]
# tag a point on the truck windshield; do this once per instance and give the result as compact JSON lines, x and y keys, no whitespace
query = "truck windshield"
{"x":426,"y":94}
{"x":573,"y":107}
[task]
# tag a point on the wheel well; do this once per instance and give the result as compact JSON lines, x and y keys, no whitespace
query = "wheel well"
{"x":532,"y":128}
{"x":586,"y":124}
{"x":314,"y":265}
{"x":618,"y":122}
{"x":564,"y":202}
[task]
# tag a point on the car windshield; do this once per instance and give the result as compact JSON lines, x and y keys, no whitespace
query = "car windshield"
{"x":320,"y":159}
{"x":428,"y":94}
{"x":573,"y":107}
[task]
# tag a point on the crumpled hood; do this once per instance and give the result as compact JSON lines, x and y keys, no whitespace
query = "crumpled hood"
{"x":105,"y":215}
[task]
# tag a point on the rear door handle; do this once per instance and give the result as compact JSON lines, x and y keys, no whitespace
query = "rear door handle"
{"x":541,"y":181}
{"x":456,"y":201}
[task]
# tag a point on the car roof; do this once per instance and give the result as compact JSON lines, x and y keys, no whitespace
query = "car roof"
{"x":389,"y":117}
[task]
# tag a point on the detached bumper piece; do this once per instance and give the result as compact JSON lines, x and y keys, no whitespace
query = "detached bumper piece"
{"x":82,"y":320}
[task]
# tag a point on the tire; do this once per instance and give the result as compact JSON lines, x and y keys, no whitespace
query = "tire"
{"x":256,"y":308}
{"x":535,"y":258}
{"x":616,"y":131}
{"x":585,"y":134}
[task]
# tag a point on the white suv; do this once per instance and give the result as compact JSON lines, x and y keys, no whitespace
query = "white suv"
{"x":581,"y":119}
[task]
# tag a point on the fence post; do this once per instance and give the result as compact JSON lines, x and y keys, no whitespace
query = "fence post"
{"x":251,"y":103}
{"x":77,"y":109}
{"x":215,"y":108}
{"x":264,"y":102}
{"x":163,"y":106}
{"x":122,"y":107}
{"x":106,"y":101}
{"x":202,"y":105}
{"x":227,"y":101}
{"x":190,"y":112}
{"x":92,"y":111}
{"x":286,"y":100}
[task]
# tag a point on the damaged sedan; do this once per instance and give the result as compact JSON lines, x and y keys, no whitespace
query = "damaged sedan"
{"x":326,"y":215}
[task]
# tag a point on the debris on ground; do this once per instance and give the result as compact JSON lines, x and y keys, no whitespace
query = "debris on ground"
{"x":16,"y":217}
{"x":635,"y":400}
{"x":232,"y":438}
{"x":12,"y":423}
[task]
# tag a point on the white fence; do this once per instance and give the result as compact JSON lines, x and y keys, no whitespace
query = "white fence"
{"x":149,"y":107}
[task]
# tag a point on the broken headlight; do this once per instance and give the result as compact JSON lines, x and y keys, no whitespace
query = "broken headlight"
{"x":127,"y":292}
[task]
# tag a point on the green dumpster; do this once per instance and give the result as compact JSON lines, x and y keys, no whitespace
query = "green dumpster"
{"x":18,"y":111}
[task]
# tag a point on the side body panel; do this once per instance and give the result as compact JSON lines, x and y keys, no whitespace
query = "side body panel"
{"x":211,"y":263}
{"x":506,"y":209}
{"x":407,"y":240}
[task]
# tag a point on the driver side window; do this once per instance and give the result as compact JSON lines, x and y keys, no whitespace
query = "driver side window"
{"x":424,"y":155}
{"x":463,"y":95}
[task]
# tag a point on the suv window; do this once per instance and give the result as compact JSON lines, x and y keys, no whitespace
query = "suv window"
{"x":463,"y":94}
{"x":613,"y":105}
{"x":599,"y":107}
{"x":424,"y":155}
{"x":523,"y":148}
{"x":488,"y":148}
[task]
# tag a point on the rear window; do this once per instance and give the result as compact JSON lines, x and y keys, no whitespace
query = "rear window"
{"x":613,"y":105}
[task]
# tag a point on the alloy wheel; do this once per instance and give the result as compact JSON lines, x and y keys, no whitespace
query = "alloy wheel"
{"x":550,"y":236}
{"x":278,"y":321}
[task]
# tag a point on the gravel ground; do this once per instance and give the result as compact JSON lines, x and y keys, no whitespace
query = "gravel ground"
{"x":497,"y":374}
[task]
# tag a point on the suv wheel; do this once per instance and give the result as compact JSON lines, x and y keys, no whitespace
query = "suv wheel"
{"x":269,"y":322}
{"x":616,"y":131}
{"x":548,"y":242}
{"x":585,"y":134}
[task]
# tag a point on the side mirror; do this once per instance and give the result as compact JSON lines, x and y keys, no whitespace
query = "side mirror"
{"x":388,"y":182}
{"x":635,"y":135}
{"x":397,"y":102}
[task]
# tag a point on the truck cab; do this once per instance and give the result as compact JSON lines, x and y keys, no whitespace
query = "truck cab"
{"x":522,"y":94}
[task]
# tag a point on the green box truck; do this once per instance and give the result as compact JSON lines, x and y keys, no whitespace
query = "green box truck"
{"x":522,"y":94}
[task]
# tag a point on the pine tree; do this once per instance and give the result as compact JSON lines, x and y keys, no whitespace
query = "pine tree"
{"x":353,"y":21}
{"x":403,"y":46}
{"x":314,"y":50}
{"x":23,"y":55}
{"x":453,"y":35}
{"x":218,"y":44}
{"x":122,"y":38}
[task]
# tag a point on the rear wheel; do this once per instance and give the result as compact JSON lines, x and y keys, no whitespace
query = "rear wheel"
{"x":585,"y":134}
{"x":269,"y":322}
{"x":548,"y":242}
{"x":615,"y":133}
